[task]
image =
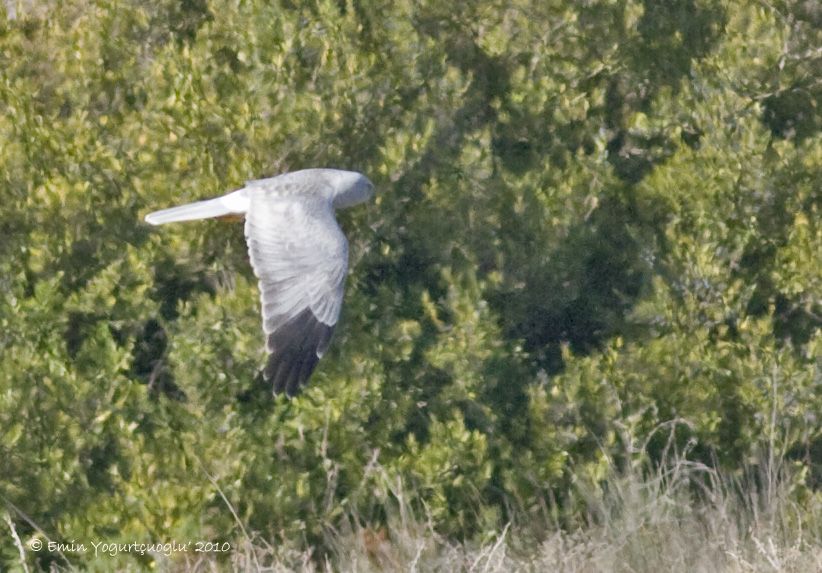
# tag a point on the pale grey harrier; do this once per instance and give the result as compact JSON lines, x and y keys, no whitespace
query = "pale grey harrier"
{"x":298,"y":253}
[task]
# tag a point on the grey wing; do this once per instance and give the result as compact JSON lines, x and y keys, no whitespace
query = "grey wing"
{"x":300,"y":257}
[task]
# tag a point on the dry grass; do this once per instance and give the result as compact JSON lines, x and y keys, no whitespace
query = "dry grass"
{"x":679,"y":516}
{"x":683,"y":517}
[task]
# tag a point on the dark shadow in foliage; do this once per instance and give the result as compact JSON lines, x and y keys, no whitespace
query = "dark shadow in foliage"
{"x":82,"y":262}
{"x":795,"y":318}
{"x":522,"y":141}
{"x":174,"y":283}
{"x":602,"y":261}
{"x":405,"y":271}
{"x":795,"y":113}
{"x":149,"y":365}
{"x":98,"y":459}
{"x":796,"y":321}
{"x":186,"y":17}
{"x":257,"y":397}
{"x":602,"y":256}
{"x":810,"y":453}
{"x":77,"y":330}
{"x":611,"y":274}
{"x":633,"y":156}
{"x":490,"y":80}
{"x":692,"y":136}
{"x":506,"y":394}
{"x":410,"y":266}
{"x":672,"y":35}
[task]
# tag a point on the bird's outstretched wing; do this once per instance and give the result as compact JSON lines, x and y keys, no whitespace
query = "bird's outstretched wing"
{"x":300,"y":256}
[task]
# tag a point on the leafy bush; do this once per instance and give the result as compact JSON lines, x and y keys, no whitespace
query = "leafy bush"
{"x":593,"y":220}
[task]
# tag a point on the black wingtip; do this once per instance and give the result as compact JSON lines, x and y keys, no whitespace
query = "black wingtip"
{"x":296,"y":347}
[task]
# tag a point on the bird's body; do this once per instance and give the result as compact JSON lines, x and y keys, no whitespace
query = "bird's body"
{"x":298,"y":253}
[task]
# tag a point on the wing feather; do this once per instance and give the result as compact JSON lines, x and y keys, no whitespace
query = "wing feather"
{"x":235,"y":203}
{"x":300,"y":256}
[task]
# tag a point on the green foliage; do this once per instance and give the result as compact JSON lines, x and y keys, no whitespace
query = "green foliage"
{"x":593,"y":220}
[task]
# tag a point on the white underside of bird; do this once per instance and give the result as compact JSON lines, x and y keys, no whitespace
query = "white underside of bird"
{"x":299,"y":255}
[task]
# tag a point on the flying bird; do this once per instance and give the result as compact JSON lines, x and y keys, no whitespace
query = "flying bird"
{"x":299,"y":255}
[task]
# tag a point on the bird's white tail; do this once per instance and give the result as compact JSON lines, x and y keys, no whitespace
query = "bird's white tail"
{"x":235,"y":203}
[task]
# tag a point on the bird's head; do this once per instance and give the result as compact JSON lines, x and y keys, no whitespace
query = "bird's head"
{"x":350,"y":187}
